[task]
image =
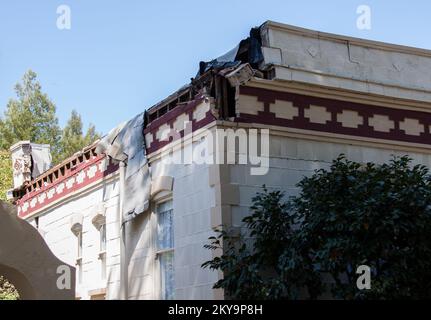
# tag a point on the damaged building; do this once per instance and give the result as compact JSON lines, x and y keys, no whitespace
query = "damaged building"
{"x":135,"y":225}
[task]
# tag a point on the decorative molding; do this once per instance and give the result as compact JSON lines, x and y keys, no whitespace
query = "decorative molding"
{"x":76,"y":222}
{"x":342,"y":94}
{"x":170,"y":126}
{"x":99,"y":216}
{"x":160,"y":184}
{"x":340,"y":117}
{"x":186,"y":140}
{"x":82,"y":176}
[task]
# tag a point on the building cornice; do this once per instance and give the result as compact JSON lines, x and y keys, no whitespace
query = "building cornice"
{"x":341,"y":38}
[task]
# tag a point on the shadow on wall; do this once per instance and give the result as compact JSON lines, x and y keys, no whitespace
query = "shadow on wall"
{"x":28,"y":263}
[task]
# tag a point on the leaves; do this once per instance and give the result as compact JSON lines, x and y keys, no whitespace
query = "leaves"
{"x":5,"y":173}
{"x":73,"y":139}
{"x":32,"y":116}
{"x":7,"y":290}
{"x":349,"y":215}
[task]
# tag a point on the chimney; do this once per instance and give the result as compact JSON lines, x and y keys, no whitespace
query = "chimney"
{"x":29,"y":160}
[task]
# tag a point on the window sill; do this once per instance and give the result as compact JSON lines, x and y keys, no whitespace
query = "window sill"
{"x":97,"y":291}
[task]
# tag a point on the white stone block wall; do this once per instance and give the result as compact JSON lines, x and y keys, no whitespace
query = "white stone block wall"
{"x":192,"y":198}
{"x":291,"y":159}
{"x":54,"y":224}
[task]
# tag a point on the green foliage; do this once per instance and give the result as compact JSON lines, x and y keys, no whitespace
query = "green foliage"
{"x":350,"y":215}
{"x":5,"y":173}
{"x":7,"y":290}
{"x":251,"y":268}
{"x":32,"y":116}
{"x":73,"y":139}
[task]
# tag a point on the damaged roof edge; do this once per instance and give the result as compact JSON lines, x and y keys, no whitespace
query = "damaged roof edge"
{"x":247,"y":51}
{"x":250,"y":51}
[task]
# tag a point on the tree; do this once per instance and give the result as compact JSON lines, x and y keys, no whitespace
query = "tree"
{"x":7,"y":290}
{"x":32,"y":116}
{"x":5,"y":173}
{"x":344,"y":217}
{"x":73,"y":139}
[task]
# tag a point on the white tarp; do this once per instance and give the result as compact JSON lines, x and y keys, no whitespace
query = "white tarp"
{"x":126,"y":143}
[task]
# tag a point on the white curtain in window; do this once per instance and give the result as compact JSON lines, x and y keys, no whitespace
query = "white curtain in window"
{"x":165,"y":226}
{"x":102,"y":232}
{"x":165,"y":241}
{"x":167,"y":274}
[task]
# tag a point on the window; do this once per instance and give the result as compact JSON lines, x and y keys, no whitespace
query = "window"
{"x":165,"y":247}
{"x":99,"y":222}
{"x":76,"y":228}
{"x":102,"y":249}
{"x":79,"y":251}
{"x":79,"y":257}
{"x":102,"y":243}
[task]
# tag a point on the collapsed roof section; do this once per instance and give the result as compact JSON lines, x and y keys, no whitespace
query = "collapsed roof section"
{"x":213,"y":78}
{"x":280,"y":52}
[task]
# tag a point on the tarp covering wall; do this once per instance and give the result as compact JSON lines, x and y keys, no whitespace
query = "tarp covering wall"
{"x":126,"y":143}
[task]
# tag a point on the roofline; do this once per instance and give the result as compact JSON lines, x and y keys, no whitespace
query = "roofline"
{"x":341,"y":38}
{"x":55,"y":169}
{"x":27,"y":142}
{"x":170,"y":98}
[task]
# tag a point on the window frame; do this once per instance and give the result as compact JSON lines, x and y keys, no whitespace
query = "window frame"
{"x":159,"y":252}
{"x":80,"y":246}
{"x":79,"y":252}
{"x":102,"y":251}
{"x":102,"y":239}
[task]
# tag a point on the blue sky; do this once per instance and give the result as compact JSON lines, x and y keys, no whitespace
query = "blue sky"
{"x":120,"y":57}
